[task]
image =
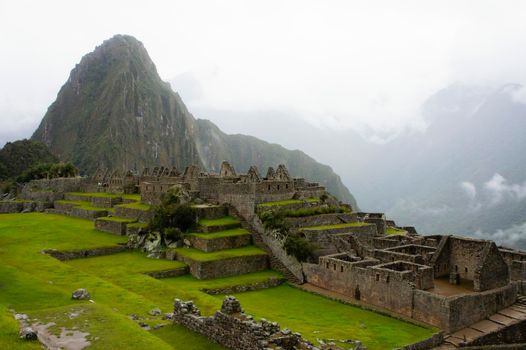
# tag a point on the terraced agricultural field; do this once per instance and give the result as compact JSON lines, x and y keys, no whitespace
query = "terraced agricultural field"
{"x":36,"y":284}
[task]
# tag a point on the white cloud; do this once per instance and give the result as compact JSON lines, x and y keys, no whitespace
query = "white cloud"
{"x":339,"y":64}
{"x":513,"y":237}
{"x":519,"y":94}
{"x":499,"y":189}
{"x":469,"y":188}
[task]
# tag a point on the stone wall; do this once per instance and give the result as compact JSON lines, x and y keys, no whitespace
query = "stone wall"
{"x":111,"y":226}
{"x":226,"y":267}
{"x":512,"y":334}
{"x":213,"y":244}
{"x":206,"y":211}
{"x":389,"y":289}
{"x":134,"y":214}
{"x":61,"y":185}
{"x":105,"y":202}
{"x":324,"y":219}
{"x":87,"y":214}
{"x":84,"y":253}
{"x":233,"y":329}
{"x":7,"y":207}
{"x":269,"y":283}
{"x":430,"y":343}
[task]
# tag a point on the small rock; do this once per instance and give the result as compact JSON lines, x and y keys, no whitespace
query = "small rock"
{"x":285,"y":331}
{"x":144,"y":326}
{"x":187,"y":242}
{"x":133,"y":317}
{"x":80,"y":294}
{"x":157,"y":326}
{"x":168,"y":316}
{"x":155,"y":311}
{"x":20,"y":317}
{"x":28,"y":333}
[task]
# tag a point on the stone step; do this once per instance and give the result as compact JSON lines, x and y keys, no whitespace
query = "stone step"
{"x":168,"y":273}
{"x":223,"y":263}
{"x":221,"y":240}
{"x":216,"y":225}
{"x":112,"y":224}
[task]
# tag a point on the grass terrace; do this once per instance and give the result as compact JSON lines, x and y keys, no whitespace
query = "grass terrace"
{"x":85,"y":205}
{"x":288,"y":202}
{"x":138,"y":225}
{"x":328,"y":227}
{"x":199,"y":255}
{"x":132,"y":196}
{"x":116,"y":219}
{"x":222,"y":234}
{"x":136,"y":205}
{"x":395,"y":231}
{"x":227,"y":220}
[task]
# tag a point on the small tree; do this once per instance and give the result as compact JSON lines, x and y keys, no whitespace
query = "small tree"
{"x":275,"y":220}
{"x":171,"y":213}
{"x":299,"y":248}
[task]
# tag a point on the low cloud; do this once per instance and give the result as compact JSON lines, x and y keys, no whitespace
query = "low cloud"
{"x":499,"y":189}
{"x":513,"y":237}
{"x":470,"y":189}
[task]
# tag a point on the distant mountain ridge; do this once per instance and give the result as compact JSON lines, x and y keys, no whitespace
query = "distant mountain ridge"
{"x":114,"y":111}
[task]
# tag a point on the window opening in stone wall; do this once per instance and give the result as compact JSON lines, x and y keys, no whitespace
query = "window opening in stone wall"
{"x":387,"y":279}
{"x":327,"y":265}
{"x":456,"y":268}
{"x":377,"y":277}
{"x":466,"y":270}
{"x":341,"y":268}
{"x":269,"y":188}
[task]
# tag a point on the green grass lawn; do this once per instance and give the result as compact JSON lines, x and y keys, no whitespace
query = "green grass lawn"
{"x":132,"y":196}
{"x":327,"y":227}
{"x":288,"y":202}
{"x":116,"y":219}
{"x":395,"y":231}
{"x":199,"y":255}
{"x":136,"y":205}
{"x":227,"y":220}
{"x":41,"y":286}
{"x":222,"y":234}
{"x":317,"y":317}
{"x":85,"y":205}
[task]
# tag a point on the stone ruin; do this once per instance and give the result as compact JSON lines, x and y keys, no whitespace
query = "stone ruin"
{"x":232,"y":328}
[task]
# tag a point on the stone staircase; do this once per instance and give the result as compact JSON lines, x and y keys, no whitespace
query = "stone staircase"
{"x":500,"y":320}
{"x":275,"y":263}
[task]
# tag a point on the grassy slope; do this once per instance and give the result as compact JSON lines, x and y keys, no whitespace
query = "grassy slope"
{"x":288,"y":202}
{"x":119,"y":289}
{"x":48,"y":292}
{"x":394,"y":231}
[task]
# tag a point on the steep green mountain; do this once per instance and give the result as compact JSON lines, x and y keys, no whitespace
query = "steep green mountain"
{"x":116,"y":112}
{"x":16,"y":157}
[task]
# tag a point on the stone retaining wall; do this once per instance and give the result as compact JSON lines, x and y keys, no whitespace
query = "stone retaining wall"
{"x":233,"y":329}
{"x":214,"y":244}
{"x":269,"y":283}
{"x":514,"y":333}
{"x":84,"y":253}
{"x":226,"y":267}
{"x":132,"y":213}
{"x":105,"y":202}
{"x":168,"y":273}
{"x":429,"y":343}
{"x":87,"y":214}
{"x":111,"y":226}
{"x":211,"y":229}
{"x":322,"y":219}
{"x":7,"y":207}
{"x":211,"y":212}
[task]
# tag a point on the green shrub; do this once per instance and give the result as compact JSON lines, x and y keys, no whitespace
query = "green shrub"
{"x":173,"y":215}
{"x":48,"y":171}
{"x":275,"y":220}
{"x":173,"y":234}
{"x":299,"y":248}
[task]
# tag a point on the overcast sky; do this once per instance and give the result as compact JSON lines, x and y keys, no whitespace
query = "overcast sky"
{"x":366,"y":65}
